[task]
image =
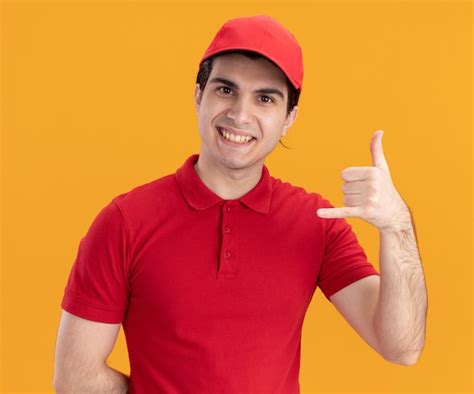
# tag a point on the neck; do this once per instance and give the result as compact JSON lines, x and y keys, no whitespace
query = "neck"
{"x":227,"y":183}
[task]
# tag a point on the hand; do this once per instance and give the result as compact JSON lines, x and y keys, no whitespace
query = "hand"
{"x":370,"y":194}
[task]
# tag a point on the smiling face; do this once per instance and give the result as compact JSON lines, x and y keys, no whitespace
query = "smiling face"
{"x":249,"y":96}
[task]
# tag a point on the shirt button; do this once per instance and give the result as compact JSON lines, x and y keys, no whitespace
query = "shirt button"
{"x":227,"y":254}
{"x":227,"y":208}
{"x":227,"y":229}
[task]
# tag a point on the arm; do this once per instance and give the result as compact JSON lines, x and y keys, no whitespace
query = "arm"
{"x":103,"y":379}
{"x":391,"y":313}
{"x":82,"y":349}
{"x":400,"y":315}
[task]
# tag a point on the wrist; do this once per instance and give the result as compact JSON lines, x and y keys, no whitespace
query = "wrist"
{"x":402,"y":224}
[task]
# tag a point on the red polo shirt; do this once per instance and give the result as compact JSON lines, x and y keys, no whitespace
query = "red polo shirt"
{"x":212,"y":293}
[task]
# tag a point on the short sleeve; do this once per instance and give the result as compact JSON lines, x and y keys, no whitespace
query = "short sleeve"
{"x":97,"y":288}
{"x":344,"y":260}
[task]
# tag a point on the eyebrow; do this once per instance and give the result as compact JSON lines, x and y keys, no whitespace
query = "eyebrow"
{"x":236,"y":87}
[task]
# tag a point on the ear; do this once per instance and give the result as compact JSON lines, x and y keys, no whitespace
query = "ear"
{"x":290,"y":119}
{"x":197,"y":97}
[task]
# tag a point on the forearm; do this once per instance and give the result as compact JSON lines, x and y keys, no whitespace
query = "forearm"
{"x":400,"y":315}
{"x":102,"y":380}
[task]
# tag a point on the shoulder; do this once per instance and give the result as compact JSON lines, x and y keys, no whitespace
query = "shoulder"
{"x":147,"y":196}
{"x":296,"y":204}
{"x":285,"y":192}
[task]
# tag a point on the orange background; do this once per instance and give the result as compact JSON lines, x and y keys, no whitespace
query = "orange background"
{"x":97,"y":98}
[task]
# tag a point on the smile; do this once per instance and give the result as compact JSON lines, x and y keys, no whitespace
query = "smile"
{"x":231,"y":139}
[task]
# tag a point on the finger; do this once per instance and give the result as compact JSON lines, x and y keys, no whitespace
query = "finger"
{"x":354,"y":187}
{"x":342,"y":212}
{"x":351,"y":174}
{"x":376,"y":151}
{"x":353,"y":200}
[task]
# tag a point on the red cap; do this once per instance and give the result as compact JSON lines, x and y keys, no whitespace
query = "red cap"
{"x":264,"y":35}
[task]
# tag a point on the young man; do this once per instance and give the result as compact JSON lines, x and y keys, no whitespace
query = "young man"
{"x":210,"y":270}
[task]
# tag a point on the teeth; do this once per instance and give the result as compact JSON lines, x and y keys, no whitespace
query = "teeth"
{"x":235,"y":138}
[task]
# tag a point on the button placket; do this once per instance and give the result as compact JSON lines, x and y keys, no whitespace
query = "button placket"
{"x":228,"y":262}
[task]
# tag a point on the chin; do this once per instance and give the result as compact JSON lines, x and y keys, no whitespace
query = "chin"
{"x":233,"y":163}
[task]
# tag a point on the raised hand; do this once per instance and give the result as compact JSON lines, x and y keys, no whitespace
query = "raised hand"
{"x":370,"y":194}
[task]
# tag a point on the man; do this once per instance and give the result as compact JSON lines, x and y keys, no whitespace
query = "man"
{"x":211,"y":269}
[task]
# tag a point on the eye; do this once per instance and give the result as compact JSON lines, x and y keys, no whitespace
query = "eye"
{"x":268,"y":98}
{"x":223,"y":87}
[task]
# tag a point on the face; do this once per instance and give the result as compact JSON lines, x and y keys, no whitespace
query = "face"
{"x":248,"y":101}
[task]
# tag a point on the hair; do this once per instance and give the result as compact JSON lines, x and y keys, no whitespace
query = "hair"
{"x":206,"y":68}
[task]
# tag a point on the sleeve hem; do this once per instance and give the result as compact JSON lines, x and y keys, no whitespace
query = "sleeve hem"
{"x":348,"y":278}
{"x":90,"y":312}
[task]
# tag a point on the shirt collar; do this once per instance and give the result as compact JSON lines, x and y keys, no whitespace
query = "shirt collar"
{"x":199,"y":196}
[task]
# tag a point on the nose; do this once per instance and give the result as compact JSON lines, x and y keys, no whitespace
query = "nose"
{"x":240,"y":112}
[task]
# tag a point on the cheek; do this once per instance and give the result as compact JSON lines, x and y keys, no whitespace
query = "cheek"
{"x":206,"y":126}
{"x":209,"y":112}
{"x":273,"y":128}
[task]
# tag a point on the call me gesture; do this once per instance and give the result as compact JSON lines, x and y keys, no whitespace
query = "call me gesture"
{"x":399,"y":319}
{"x":370,"y":194}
